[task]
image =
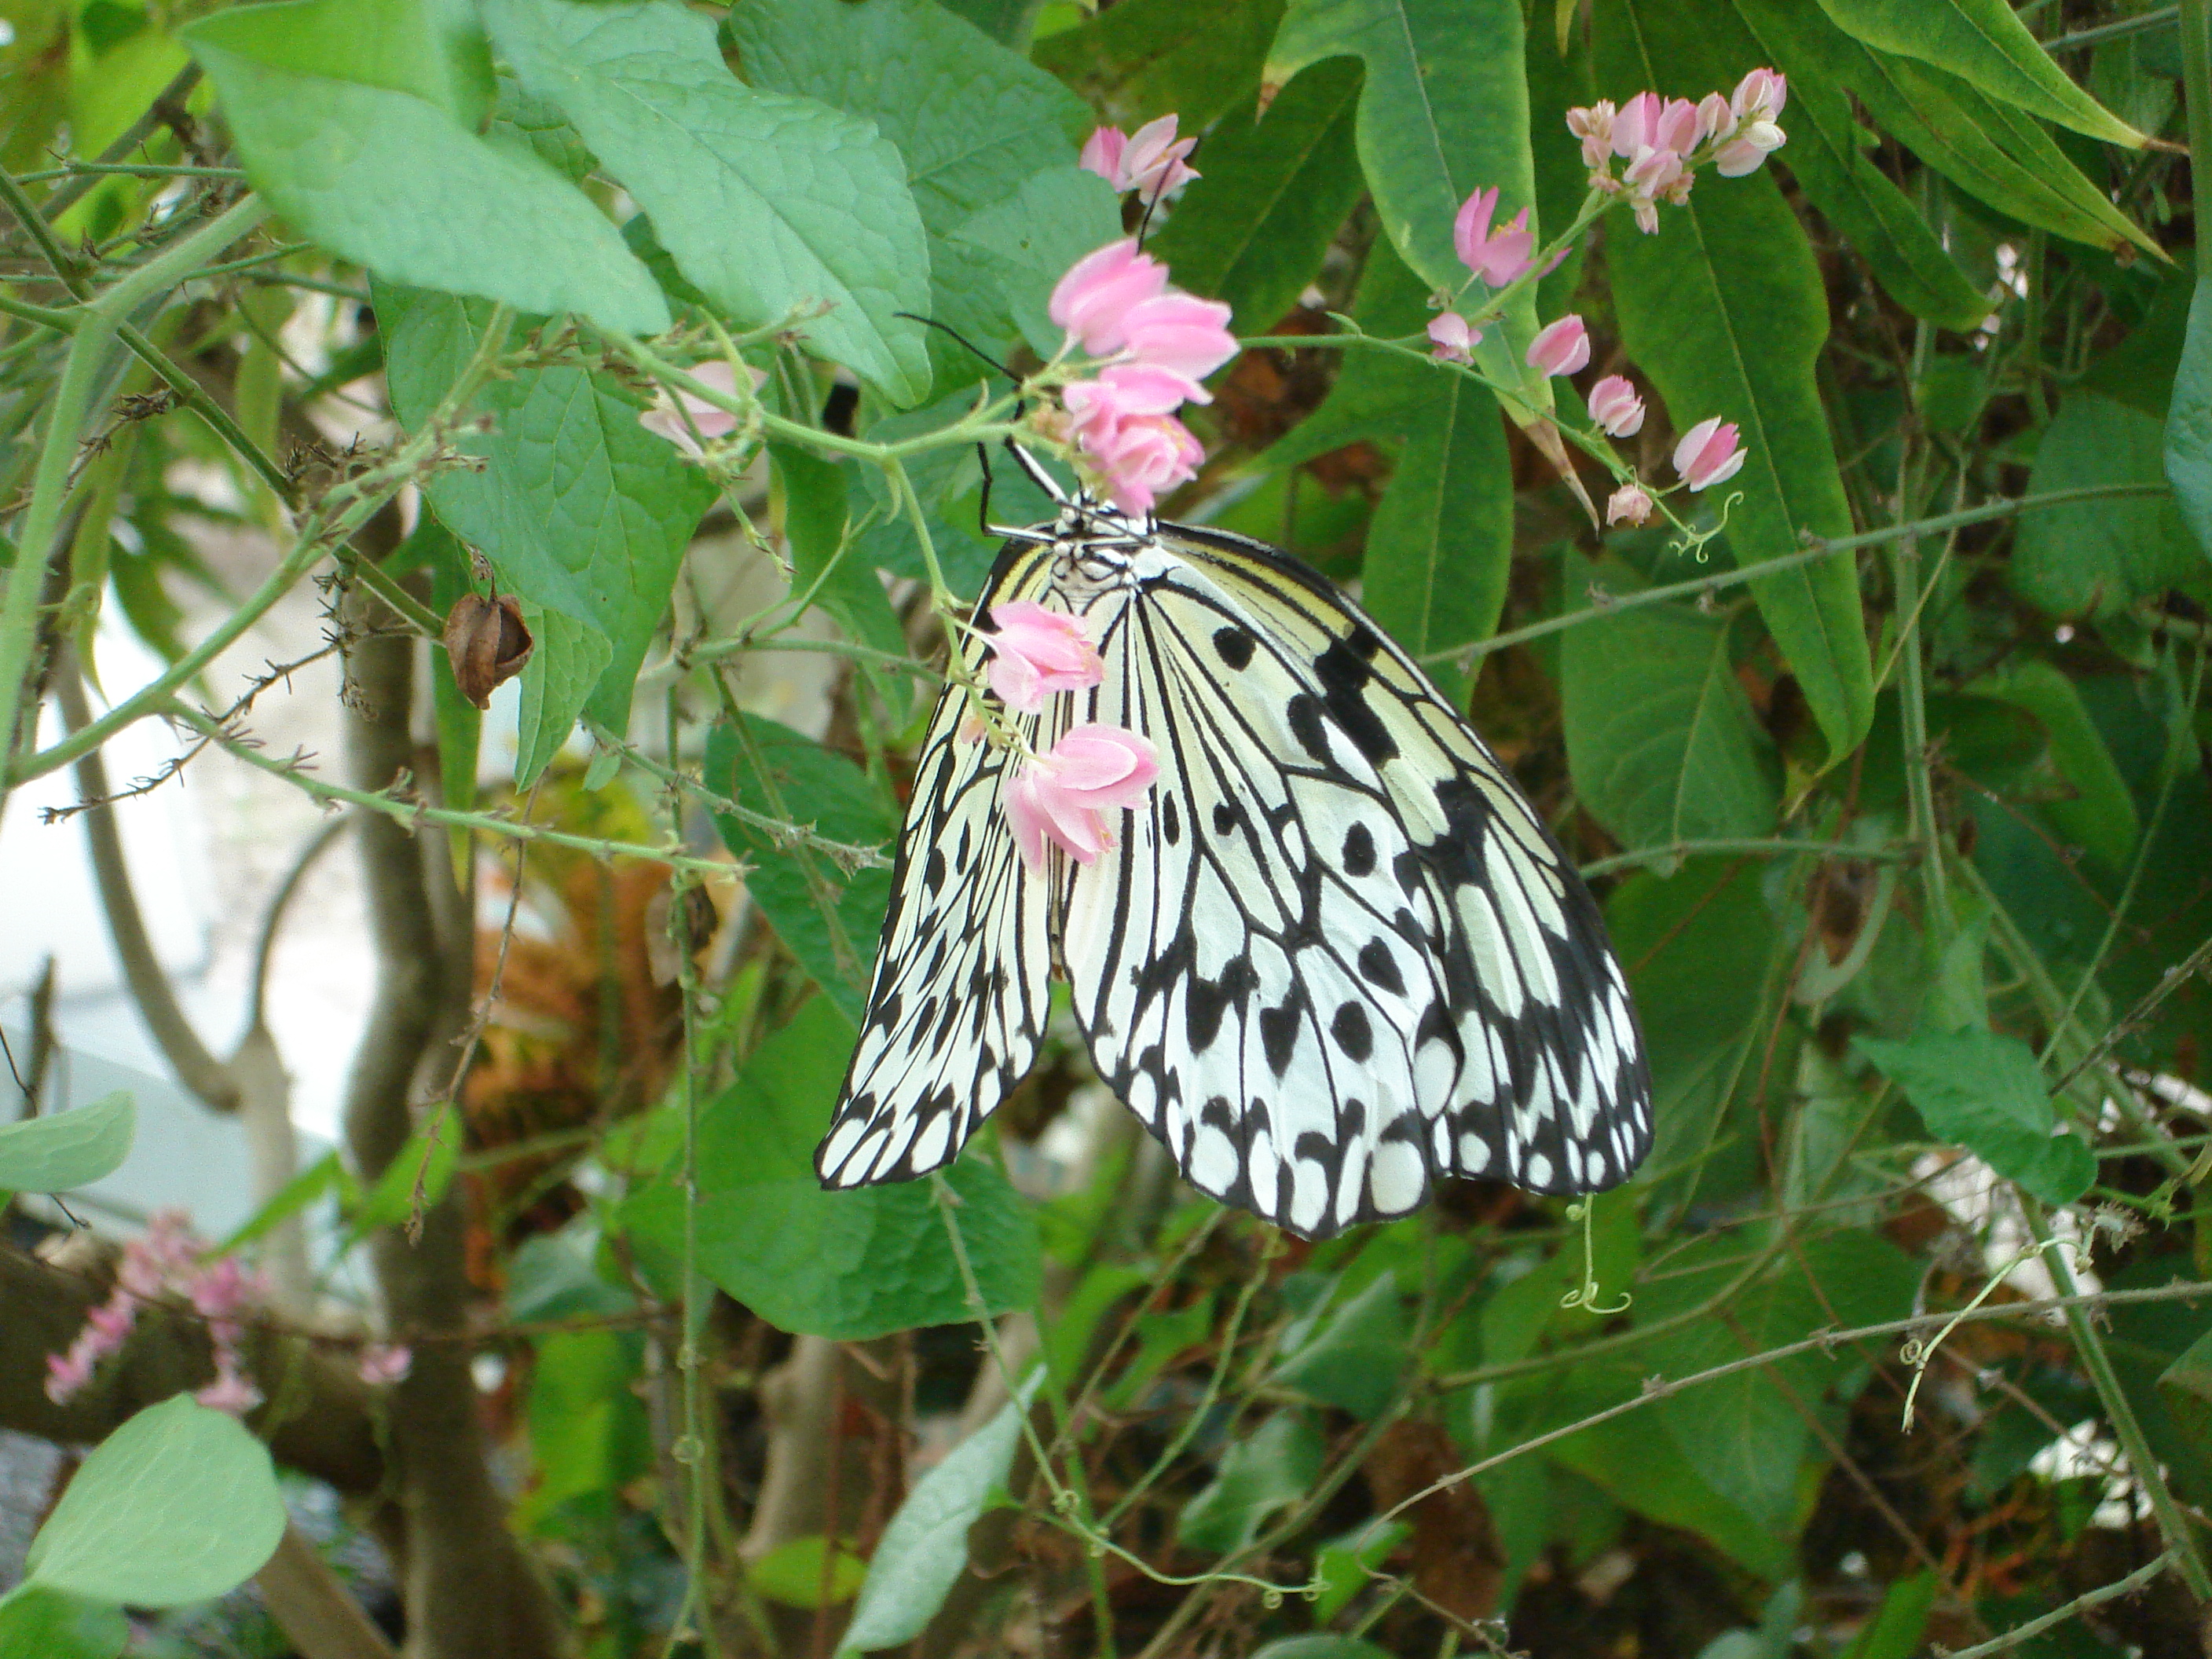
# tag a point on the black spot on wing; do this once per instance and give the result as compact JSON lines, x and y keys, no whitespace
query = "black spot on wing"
{"x":1234,"y":646}
{"x":1344,"y":674}
{"x":1279,"y":1027}
{"x":1358,"y":855}
{"x":1380,"y":967}
{"x":1351,"y":1032}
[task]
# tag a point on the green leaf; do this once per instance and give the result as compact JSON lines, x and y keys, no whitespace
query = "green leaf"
{"x":1725,"y":308}
{"x":1142,"y":58}
{"x":1443,"y":111}
{"x":772,"y":206}
{"x":1660,"y":739}
{"x":1984,"y":44}
{"x":430,"y":1155}
{"x":925,"y":1548}
{"x":1996,"y":155}
{"x":588,"y":1431}
{"x":579,"y":509}
{"x":792,"y":1573}
{"x":972,"y":119}
{"x":37,"y":1623}
{"x":1898,"y":1623}
{"x":829,"y":920}
{"x":2100,"y":816}
{"x":815,"y":494}
{"x":324,"y":1175}
{"x":1830,"y":154}
{"x":1270,"y":1469}
{"x":1985,"y":1092}
{"x":1351,"y":1355}
{"x":357,"y":123}
{"x":1253,"y":229}
{"x":1028,"y":240}
{"x":178,"y":1504}
{"x":2189,"y":421}
{"x":848,"y":1265}
{"x":2099,"y":558}
{"x":64,"y":1151}
{"x":1321,"y":1647}
{"x":1344,"y":1567}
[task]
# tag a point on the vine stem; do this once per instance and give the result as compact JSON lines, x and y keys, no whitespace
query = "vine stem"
{"x":36,"y":538}
{"x":2172,"y":1524}
{"x":2080,"y":1604}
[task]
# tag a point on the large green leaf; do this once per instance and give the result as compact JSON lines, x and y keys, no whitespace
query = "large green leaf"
{"x":579,"y":508}
{"x":1830,"y":154}
{"x":357,"y":118}
{"x":63,"y":1150}
{"x":2099,"y":558}
{"x":776,"y":207}
{"x":1026,"y":243}
{"x":37,"y":1623}
{"x":178,"y":1504}
{"x":1661,"y":739}
{"x":2100,"y":815}
{"x":1985,"y":148}
{"x":1725,"y":308}
{"x":1268,"y":1470}
{"x":849,"y":1265}
{"x":828,"y":918}
{"x":1253,"y":229}
{"x":1443,"y":111}
{"x":1984,"y":1093}
{"x":2189,"y":421}
{"x":1984,"y":44}
{"x":924,"y":1550}
{"x":1141,"y":58}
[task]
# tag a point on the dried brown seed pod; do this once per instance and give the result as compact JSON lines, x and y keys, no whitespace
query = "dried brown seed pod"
{"x":488,"y":643}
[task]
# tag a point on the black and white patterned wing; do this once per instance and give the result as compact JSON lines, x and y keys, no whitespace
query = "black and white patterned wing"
{"x":957,"y":1001}
{"x":1336,"y":954}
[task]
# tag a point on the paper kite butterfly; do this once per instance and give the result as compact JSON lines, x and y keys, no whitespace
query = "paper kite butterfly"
{"x":1334,"y":955}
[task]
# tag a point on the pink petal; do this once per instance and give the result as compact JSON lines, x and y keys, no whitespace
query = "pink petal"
{"x":1092,"y":300}
{"x":1101,"y":155}
{"x":1181,"y":333}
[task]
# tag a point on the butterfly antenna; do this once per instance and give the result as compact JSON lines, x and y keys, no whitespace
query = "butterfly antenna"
{"x":946,"y":328}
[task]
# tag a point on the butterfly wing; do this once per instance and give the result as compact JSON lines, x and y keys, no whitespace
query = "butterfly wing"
{"x":1336,"y":953}
{"x":956,"y":1005}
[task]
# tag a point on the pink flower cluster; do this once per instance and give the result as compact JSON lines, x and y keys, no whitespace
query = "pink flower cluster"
{"x":1155,"y":345}
{"x":1661,"y":142}
{"x":166,"y":1261}
{"x":1150,"y":161}
{"x":1067,"y":796}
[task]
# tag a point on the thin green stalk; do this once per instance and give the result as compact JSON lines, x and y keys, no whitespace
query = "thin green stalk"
{"x":1754,"y":846}
{"x":1912,"y":690}
{"x":2180,"y":1537}
{"x":66,"y":195}
{"x":2074,"y":1609}
{"x":1824,"y":549}
{"x":62,"y":322}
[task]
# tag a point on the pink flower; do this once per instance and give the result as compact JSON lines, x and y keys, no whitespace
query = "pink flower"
{"x":1124,"y":422}
{"x":1498,"y":259}
{"x":1708,"y":454}
{"x":1036,"y":653}
{"x":230,"y":1391}
{"x":67,"y":1373}
{"x":1451,"y":338}
{"x":1678,"y":128}
{"x":1614,"y":406}
{"x":1093,"y":301}
{"x":1182,"y":334}
{"x":1655,"y":175}
{"x":1759,"y":96}
{"x":383,"y":1364}
{"x":1636,"y":128}
{"x":1563,"y":348}
{"x":677,"y":421}
{"x":1150,"y":161}
{"x":1715,"y":119}
{"x":1064,"y":796}
{"x":1594,"y":127}
{"x":1630,"y":504}
{"x":111,"y":1320}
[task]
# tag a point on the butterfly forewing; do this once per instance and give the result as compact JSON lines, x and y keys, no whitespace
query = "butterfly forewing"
{"x":1335,"y":953}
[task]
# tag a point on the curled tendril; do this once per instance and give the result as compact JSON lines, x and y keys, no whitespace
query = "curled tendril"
{"x":1271,"y":1599}
{"x":1585,"y":1295}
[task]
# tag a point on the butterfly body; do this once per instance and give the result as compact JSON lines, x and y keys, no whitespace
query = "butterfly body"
{"x":1332,"y":954}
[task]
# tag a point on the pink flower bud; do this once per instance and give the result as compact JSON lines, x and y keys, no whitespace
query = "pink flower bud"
{"x":1630,"y":504}
{"x":1753,"y":143}
{"x":230,"y":1391}
{"x":1594,"y":127}
{"x":1708,"y":454}
{"x":1716,"y":119}
{"x":1614,"y":406}
{"x":1182,"y":334}
{"x":1497,"y":258}
{"x":383,"y":1364}
{"x":1562,"y":348}
{"x":67,"y":1373}
{"x":1063,"y":797}
{"x":1760,"y":95}
{"x":678,"y":421}
{"x":1451,"y":338}
{"x":1093,"y":301}
{"x":1036,"y":653}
